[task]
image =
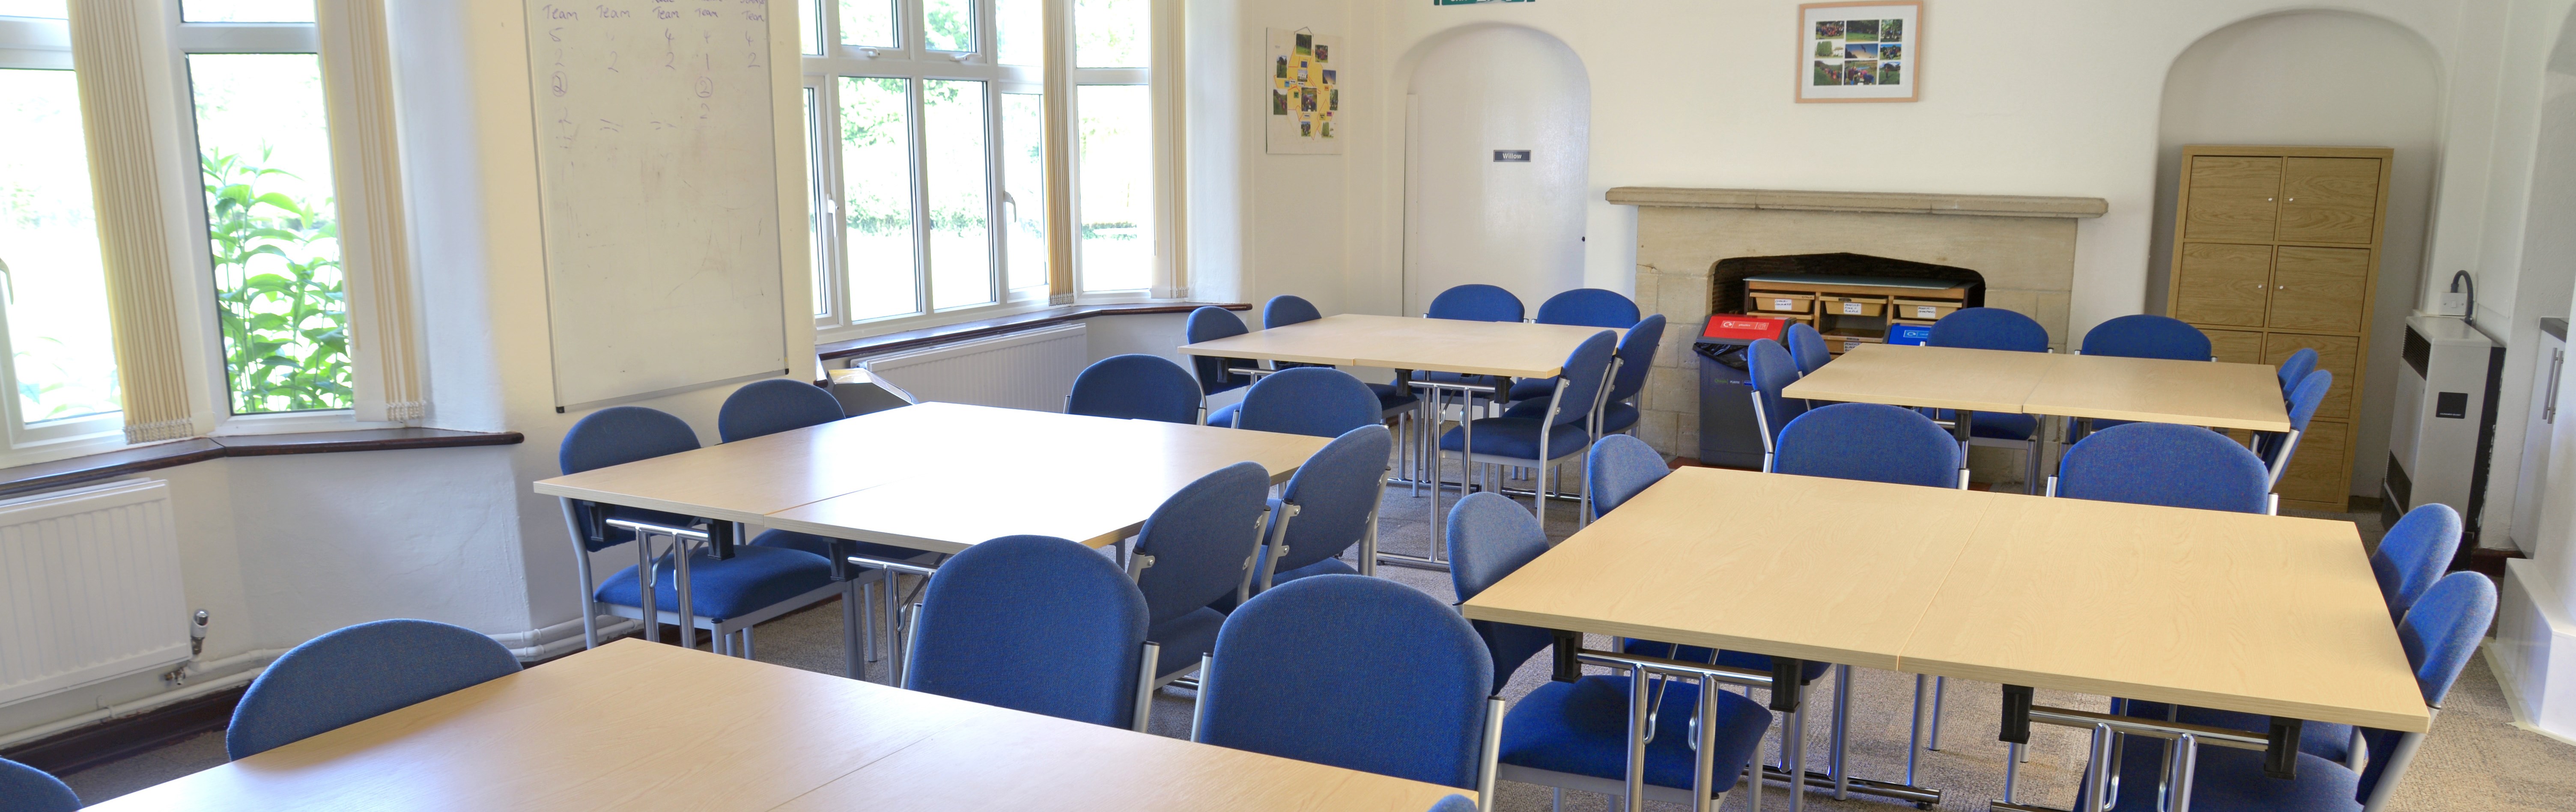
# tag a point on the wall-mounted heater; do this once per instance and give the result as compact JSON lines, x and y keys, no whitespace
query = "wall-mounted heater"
{"x":2443,"y":431}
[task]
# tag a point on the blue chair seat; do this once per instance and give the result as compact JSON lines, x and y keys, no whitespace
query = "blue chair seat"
{"x":754,"y":579}
{"x":1998,"y":425}
{"x":1391,"y":397}
{"x":1807,"y":672}
{"x":2326,"y":740}
{"x":1615,"y":418}
{"x":1581,"y":728}
{"x":1518,"y":437}
{"x":821,"y":546}
{"x":1329,"y":566}
{"x":1184,"y":639}
{"x":1224,"y":415}
{"x":2231,"y":780}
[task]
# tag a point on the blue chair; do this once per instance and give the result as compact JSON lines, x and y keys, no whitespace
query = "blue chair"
{"x":1314,"y":401}
{"x":1353,"y":672}
{"x":1328,"y":506}
{"x":2147,"y":336}
{"x":1136,"y":387}
{"x":1589,"y":307}
{"x":1490,"y":537}
{"x":2276,"y":447}
{"x":1539,"y":441}
{"x":1618,"y":468}
{"x":1636,"y":356}
{"x":1453,"y":803}
{"x":2413,"y":554}
{"x":1197,"y":548}
{"x":1807,"y":347}
{"x":28,"y":789}
{"x":1772,"y":370}
{"x":1872,"y":442}
{"x":1036,"y":624}
{"x":1475,"y":303}
{"x":356,"y":673}
{"x":761,"y":580}
{"x":1991,"y":328}
{"x":773,"y":406}
{"x":1215,"y":374}
{"x":1284,"y":310}
{"x":2165,"y":464}
{"x":2295,"y":369}
{"x":2438,"y":634}
{"x":1574,"y":735}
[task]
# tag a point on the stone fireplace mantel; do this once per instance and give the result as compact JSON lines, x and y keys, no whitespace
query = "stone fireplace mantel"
{"x":2022,"y":246}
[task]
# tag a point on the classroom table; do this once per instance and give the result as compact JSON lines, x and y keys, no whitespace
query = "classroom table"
{"x":1500,"y":348}
{"x":634,"y":725}
{"x":2242,"y":612}
{"x":2197,"y":393}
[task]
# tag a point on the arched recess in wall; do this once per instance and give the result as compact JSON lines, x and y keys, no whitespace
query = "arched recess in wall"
{"x":2317,"y":78}
{"x":1470,"y":217}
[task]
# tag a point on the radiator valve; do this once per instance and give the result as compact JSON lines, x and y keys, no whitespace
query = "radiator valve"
{"x":178,"y":676}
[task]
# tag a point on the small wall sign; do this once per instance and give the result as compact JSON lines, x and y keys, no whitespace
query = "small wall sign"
{"x":1511,"y":156}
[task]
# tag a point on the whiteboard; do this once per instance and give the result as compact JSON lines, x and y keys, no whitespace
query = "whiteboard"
{"x":658,"y":185}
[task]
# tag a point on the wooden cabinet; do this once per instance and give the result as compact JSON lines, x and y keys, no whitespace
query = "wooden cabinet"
{"x":2277,"y":249}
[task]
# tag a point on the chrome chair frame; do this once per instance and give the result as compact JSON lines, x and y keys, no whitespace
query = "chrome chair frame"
{"x":731,"y":636}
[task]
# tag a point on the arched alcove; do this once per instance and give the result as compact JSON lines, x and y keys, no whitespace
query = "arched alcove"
{"x":2317,"y":78}
{"x":1473,"y":213}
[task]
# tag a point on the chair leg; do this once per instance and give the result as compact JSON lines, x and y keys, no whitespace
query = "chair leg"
{"x":1939,"y":686}
{"x":868,"y":621}
{"x":746,"y":642}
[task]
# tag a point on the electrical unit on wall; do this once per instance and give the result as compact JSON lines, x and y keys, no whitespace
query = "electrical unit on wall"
{"x":2443,"y":432}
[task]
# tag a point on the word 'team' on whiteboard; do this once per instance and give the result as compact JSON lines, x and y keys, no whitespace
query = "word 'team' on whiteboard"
{"x":658,"y":178}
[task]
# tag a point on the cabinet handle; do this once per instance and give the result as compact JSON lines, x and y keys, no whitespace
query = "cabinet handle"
{"x":2549,"y":409}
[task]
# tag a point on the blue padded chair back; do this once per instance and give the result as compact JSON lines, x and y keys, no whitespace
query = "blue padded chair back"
{"x":2165,"y":464}
{"x":1285,"y":310}
{"x":622,"y":434}
{"x":1586,"y":369}
{"x":1869,"y":441}
{"x":1199,"y":539}
{"x":1355,"y":672}
{"x":1772,"y":371}
{"x":1589,"y":307}
{"x":1636,"y":356}
{"x":1453,"y":803}
{"x":1135,"y":387}
{"x":2413,"y":554}
{"x":2295,"y":369}
{"x":1314,"y":401}
{"x":1807,"y":347}
{"x":2147,"y":336}
{"x":360,"y":672}
{"x":1209,"y":324}
{"x":1476,"y":303}
{"x":2439,"y":635}
{"x":1489,"y":537}
{"x":1032,"y":623}
{"x":1335,"y":490}
{"x":27,"y":789}
{"x":2310,"y":394}
{"x":1989,"y":328}
{"x":773,"y":406}
{"x":1618,"y":468}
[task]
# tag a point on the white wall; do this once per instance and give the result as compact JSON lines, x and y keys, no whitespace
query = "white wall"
{"x":2317,"y":78}
{"x":1472,"y":219}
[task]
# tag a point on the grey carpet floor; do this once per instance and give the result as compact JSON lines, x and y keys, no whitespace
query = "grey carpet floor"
{"x":2474,"y":760}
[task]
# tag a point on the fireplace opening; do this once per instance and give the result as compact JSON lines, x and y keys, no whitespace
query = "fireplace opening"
{"x":1852,"y":299}
{"x":1726,"y":278}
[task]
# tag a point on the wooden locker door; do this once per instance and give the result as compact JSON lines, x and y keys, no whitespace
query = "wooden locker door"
{"x":2320,"y":288}
{"x":2231,"y":198}
{"x":2222,"y":283}
{"x":2317,"y":472}
{"x":2331,"y":200}
{"x":2336,"y":354}
{"x":2235,"y":346}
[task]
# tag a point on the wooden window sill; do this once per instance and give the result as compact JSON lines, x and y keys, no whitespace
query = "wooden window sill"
{"x":95,"y":467}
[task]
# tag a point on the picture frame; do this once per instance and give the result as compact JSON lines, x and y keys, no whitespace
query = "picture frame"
{"x":1860,"y":51}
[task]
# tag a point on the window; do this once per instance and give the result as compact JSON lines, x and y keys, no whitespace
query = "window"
{"x":927,"y":139}
{"x":254,"y":95}
{"x":56,"y":350}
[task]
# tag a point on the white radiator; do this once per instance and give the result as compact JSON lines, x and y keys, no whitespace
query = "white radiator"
{"x":1028,"y":370}
{"x":89,"y":588}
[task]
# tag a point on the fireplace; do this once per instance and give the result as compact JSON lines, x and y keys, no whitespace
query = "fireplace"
{"x":1694,"y":246}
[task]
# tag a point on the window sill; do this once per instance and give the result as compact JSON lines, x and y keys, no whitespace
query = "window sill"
{"x":94,"y":467}
{"x":981,"y":328}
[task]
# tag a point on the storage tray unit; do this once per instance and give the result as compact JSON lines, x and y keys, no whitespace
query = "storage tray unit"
{"x":1853,"y":310}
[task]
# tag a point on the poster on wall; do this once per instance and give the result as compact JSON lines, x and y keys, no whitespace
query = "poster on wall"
{"x":1860,"y":51}
{"x":1305,"y":98}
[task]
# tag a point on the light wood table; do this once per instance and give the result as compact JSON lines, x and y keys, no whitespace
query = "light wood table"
{"x":2156,"y":390}
{"x":601,"y":730}
{"x":1931,"y":377}
{"x":1505,"y":348}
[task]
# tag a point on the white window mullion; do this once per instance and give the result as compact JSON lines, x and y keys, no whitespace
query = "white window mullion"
{"x":921,"y":262}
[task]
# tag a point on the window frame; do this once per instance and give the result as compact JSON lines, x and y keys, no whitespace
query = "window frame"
{"x":39,"y":43}
{"x":910,"y":60}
